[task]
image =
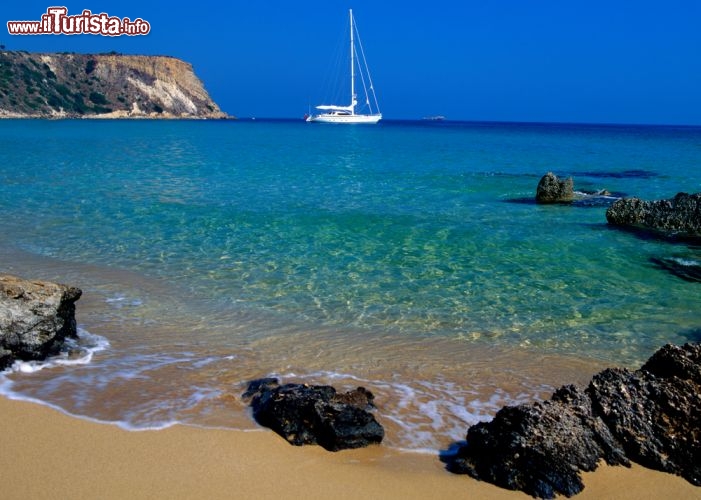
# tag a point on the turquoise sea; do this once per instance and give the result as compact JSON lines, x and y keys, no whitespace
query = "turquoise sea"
{"x":406,"y":257}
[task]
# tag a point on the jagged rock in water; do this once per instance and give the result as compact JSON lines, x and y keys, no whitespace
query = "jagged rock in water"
{"x":553,"y":190}
{"x":539,"y":448}
{"x":680,"y":216}
{"x":35,"y":318}
{"x":651,"y":416}
{"x":304,"y":414}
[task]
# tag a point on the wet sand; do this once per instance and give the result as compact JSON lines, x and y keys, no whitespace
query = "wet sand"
{"x":46,"y":454}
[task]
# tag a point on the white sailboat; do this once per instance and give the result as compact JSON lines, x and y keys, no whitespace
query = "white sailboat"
{"x":332,"y":113}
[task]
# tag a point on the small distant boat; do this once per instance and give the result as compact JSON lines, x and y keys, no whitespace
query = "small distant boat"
{"x":333,"y":113}
{"x":437,"y":118}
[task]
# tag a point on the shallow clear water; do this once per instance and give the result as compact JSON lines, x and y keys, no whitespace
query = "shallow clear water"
{"x":405,"y":257}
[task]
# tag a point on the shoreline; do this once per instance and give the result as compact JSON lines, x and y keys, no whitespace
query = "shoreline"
{"x":115,"y":115}
{"x":67,"y":457}
{"x":408,"y":409}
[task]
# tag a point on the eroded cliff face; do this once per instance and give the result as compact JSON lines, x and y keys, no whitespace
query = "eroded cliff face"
{"x":101,"y":86}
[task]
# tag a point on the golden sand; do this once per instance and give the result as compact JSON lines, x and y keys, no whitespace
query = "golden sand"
{"x":46,"y":454}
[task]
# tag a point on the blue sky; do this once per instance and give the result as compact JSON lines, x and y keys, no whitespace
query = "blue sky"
{"x":610,"y":61}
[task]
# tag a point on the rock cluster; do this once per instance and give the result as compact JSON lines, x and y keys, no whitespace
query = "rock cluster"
{"x":680,"y":216}
{"x":316,"y":414}
{"x":651,"y":416}
{"x":35,"y":318}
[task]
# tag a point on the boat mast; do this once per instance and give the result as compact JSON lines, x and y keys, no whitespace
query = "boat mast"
{"x":352,"y":60}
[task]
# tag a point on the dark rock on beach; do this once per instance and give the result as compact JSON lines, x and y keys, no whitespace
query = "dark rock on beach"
{"x":539,"y":448}
{"x":315,"y":414}
{"x":35,"y":318}
{"x":680,"y":216}
{"x":551,"y":189}
{"x":651,"y":416}
{"x":655,"y":412}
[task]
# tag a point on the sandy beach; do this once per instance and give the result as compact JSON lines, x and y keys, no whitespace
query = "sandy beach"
{"x":46,"y":454}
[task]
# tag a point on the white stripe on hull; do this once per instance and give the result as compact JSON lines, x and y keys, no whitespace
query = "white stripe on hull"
{"x":345,"y":118}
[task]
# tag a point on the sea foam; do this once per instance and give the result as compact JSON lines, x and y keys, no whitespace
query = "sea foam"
{"x":75,"y":351}
{"x":424,"y":416}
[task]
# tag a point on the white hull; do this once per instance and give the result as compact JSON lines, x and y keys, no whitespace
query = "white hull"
{"x":327,"y":118}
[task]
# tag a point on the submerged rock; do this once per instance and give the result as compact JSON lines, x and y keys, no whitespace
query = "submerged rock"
{"x":35,"y":318}
{"x":680,"y":216}
{"x":684,"y":268}
{"x":317,"y":414}
{"x":595,"y":199}
{"x":651,"y":416}
{"x":553,"y":190}
{"x":625,"y":174}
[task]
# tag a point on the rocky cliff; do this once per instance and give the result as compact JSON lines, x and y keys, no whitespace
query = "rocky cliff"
{"x":101,"y":85}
